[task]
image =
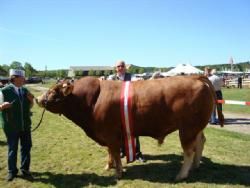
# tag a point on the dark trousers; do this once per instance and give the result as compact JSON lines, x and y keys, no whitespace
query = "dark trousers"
{"x":219,"y":107}
{"x":240,"y":85}
{"x":26,"y":144}
{"x":219,"y":97}
{"x":137,"y":146}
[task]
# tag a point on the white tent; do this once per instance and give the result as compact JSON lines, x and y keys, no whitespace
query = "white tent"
{"x":183,"y":69}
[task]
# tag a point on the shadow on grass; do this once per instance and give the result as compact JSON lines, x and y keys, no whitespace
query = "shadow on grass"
{"x":72,"y":180}
{"x":208,"y":172}
{"x":231,"y":121}
{"x":160,"y":172}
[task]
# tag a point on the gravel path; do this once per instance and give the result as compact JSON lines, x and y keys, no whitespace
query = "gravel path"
{"x":236,"y":122}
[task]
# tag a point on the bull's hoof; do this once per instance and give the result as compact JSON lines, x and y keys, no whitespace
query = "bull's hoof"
{"x":195,"y":165}
{"x":180,"y":177}
{"x":118,"y":175}
{"x":107,"y":167}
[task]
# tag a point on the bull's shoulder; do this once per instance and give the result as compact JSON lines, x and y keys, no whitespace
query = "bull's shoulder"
{"x":87,"y":87}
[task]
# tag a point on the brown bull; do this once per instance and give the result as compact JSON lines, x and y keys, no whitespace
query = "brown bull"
{"x":159,"y":107}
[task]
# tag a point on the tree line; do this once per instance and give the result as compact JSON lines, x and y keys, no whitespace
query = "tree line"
{"x":62,"y":73}
{"x":31,"y":72}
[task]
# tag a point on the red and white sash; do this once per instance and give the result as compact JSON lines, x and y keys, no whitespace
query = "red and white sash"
{"x":127,"y":124}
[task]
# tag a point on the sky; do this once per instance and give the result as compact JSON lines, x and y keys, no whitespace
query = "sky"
{"x":57,"y":34}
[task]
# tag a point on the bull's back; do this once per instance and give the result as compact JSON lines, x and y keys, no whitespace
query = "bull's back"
{"x":165,"y":105}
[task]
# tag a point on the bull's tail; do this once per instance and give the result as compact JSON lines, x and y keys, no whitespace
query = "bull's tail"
{"x":219,"y":110}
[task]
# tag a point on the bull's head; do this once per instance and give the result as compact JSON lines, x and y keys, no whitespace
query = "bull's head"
{"x":53,"y":99}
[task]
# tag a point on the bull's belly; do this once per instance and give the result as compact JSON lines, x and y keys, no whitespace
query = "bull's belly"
{"x":154,"y":130}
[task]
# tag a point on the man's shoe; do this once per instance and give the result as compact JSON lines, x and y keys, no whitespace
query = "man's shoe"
{"x":140,"y":158}
{"x":10,"y":177}
{"x":213,"y":123}
{"x":26,"y":174}
{"x":122,"y":155}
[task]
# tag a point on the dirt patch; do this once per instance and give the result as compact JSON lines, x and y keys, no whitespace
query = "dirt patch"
{"x":236,"y":122}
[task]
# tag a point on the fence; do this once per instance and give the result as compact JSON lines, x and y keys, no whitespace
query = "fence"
{"x":234,"y":83}
{"x":245,"y":103}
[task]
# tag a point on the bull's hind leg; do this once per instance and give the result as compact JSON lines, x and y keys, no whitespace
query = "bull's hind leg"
{"x":188,"y":145}
{"x":186,"y":166}
{"x":200,"y":141}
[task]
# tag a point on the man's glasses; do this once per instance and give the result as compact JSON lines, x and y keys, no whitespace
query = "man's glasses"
{"x":122,"y":66}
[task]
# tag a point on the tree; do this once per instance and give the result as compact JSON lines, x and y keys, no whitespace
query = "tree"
{"x":91,"y":73}
{"x":6,"y":69}
{"x":107,"y":72}
{"x":16,"y":65}
{"x":78,"y":73}
{"x":98,"y":73}
{"x":29,"y":70}
{"x":141,"y":70}
{"x":3,"y":72}
{"x":61,"y":73}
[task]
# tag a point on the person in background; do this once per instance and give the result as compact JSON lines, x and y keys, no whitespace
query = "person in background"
{"x":15,"y":114}
{"x":122,"y":75}
{"x":240,"y":82}
{"x":156,"y":75}
{"x":217,"y":83}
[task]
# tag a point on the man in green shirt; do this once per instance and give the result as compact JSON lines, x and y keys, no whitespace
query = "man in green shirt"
{"x":15,"y":107}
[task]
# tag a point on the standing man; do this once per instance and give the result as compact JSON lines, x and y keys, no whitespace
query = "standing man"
{"x":122,"y":75}
{"x":17,"y":101}
{"x":240,"y":82}
{"x":217,"y":83}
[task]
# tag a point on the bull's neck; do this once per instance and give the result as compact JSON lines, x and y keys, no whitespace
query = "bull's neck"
{"x":79,"y":114}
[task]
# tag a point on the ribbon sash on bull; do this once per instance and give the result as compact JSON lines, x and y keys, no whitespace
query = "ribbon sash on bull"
{"x":127,"y":125}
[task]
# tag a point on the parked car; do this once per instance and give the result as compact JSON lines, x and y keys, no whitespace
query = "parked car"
{"x":31,"y":80}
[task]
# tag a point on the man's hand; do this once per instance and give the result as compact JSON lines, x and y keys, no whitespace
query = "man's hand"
{"x":30,"y":96}
{"x":5,"y":105}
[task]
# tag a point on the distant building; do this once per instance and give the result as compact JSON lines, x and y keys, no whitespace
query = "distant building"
{"x":84,"y":70}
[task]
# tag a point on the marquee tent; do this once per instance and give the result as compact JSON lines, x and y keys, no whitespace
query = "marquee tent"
{"x":185,"y":69}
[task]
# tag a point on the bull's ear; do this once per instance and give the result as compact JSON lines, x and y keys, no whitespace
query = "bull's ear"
{"x":67,"y":88}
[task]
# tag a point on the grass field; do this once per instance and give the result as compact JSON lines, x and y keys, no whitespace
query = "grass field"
{"x":239,"y":95}
{"x":64,"y":157}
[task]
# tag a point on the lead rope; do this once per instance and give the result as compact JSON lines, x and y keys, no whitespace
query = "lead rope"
{"x":39,"y":121}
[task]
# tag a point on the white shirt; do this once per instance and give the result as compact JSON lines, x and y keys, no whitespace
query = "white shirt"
{"x":115,"y":76}
{"x":216,"y":81}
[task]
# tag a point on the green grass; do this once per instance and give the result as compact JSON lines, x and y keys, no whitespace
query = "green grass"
{"x":63,"y":156}
{"x":239,"y":95}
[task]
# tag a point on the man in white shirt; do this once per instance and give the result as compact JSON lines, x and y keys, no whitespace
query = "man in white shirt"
{"x":217,"y":83}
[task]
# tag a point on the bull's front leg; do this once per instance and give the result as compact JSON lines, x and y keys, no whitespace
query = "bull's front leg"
{"x":111,"y":161}
{"x":118,"y":163}
{"x":114,"y":161}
